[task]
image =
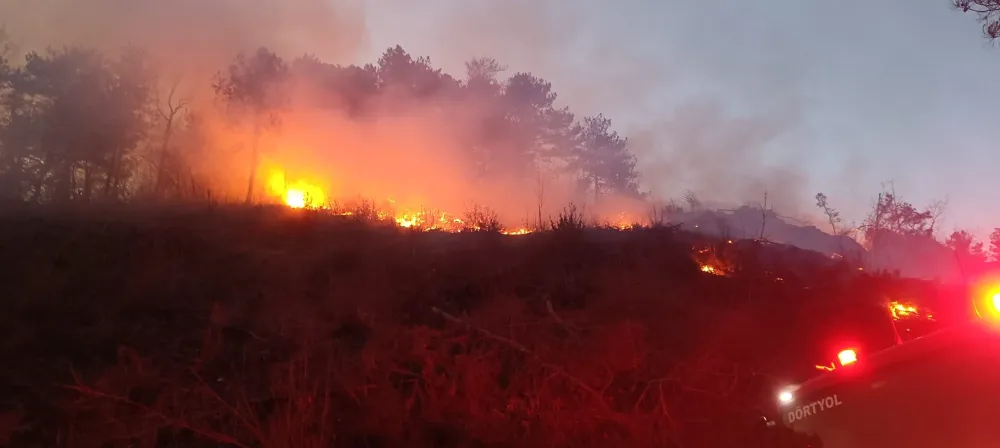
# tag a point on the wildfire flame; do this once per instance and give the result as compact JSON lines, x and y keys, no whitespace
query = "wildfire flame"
{"x":521,"y":231}
{"x":901,"y":310}
{"x":299,"y":194}
{"x":904,"y":316}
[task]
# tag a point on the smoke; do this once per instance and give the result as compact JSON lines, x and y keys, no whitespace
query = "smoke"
{"x":624,"y":61}
{"x":720,"y":156}
{"x":415,"y":153}
{"x":191,"y":39}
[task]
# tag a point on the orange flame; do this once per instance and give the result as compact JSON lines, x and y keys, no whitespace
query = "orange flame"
{"x":901,"y":310}
{"x":299,"y":194}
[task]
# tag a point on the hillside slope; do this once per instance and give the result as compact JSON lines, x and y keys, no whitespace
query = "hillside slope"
{"x":916,"y":257}
{"x":278,"y":328}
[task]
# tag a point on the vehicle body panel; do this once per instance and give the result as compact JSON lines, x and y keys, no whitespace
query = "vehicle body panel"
{"x":938,"y":391}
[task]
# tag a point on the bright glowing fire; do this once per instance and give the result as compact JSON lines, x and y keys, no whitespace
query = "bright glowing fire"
{"x":298,"y":194}
{"x":900,"y":310}
{"x":301,"y":194}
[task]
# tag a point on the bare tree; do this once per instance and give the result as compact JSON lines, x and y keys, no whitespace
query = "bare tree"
{"x":936,"y":210}
{"x":483,"y":69}
{"x":169,"y":112}
{"x":764,"y":210}
{"x":540,"y":197}
{"x":253,"y":87}
{"x":832,"y":215}
{"x":691,"y":200}
{"x":987,"y":12}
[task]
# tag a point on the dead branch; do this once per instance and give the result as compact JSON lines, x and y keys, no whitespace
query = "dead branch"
{"x":559,"y":320}
{"x":540,"y":196}
{"x":516,"y":345}
{"x":233,"y":409}
{"x":167,"y":420}
{"x":763,"y":216}
{"x":482,"y":331}
{"x":169,"y":115}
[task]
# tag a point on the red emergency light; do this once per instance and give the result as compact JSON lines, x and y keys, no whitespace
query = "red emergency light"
{"x":844,"y":358}
{"x":848,"y":356}
{"x":986,"y":297}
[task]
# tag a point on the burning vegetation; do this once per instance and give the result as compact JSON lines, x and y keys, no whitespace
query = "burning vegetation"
{"x":258,"y":333}
{"x":249,"y":308}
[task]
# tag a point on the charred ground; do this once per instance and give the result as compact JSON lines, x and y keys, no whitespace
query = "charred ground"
{"x":269,"y":327}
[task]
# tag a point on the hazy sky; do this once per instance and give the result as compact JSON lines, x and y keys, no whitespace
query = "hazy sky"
{"x":808,"y":95}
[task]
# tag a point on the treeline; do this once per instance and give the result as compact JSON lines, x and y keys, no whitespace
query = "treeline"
{"x":894,"y":224}
{"x":80,"y":125}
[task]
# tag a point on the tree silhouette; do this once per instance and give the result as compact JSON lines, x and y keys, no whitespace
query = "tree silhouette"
{"x":995,"y":244}
{"x":169,"y":110}
{"x":603,"y":161}
{"x":54,"y":147}
{"x":968,"y":251}
{"x":75,"y":117}
{"x":987,"y":12}
{"x":254,"y":88}
{"x":832,"y":215}
{"x":400,"y":74}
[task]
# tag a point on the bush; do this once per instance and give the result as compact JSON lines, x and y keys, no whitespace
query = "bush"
{"x":482,"y":219}
{"x":570,"y":219}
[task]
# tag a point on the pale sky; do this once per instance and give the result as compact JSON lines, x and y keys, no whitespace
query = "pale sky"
{"x":801,"y":95}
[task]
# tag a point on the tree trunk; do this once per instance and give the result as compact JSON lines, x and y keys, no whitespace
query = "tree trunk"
{"x":597,"y":189}
{"x":111,"y":182}
{"x":36,"y":185}
{"x":157,"y":188}
{"x":88,"y":181}
{"x":62,"y":191}
{"x":254,"y":161}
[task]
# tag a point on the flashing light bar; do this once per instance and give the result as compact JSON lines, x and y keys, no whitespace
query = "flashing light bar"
{"x":848,"y":356}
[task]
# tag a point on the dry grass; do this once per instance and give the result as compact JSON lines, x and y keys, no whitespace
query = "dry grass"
{"x":274,"y":328}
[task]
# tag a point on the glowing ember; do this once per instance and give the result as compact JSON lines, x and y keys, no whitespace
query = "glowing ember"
{"x":521,"y":231}
{"x":710,"y":269}
{"x":829,"y":368}
{"x":906,"y":317}
{"x":901,"y":310}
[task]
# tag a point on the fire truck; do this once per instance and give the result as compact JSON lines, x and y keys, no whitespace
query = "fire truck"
{"x":939,"y":390}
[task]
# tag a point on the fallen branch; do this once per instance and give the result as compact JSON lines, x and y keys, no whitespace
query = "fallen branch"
{"x":483,"y":331}
{"x":169,"y":421}
{"x":552,"y":312}
{"x":514,"y":344}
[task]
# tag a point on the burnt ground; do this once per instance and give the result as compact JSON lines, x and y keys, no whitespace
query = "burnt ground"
{"x":256,"y":327}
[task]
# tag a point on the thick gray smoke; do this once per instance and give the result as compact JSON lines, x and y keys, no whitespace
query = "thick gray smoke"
{"x":191,"y":37}
{"x":699,"y":145}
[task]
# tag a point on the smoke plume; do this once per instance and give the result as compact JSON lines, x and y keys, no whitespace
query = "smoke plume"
{"x":413,"y":153}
